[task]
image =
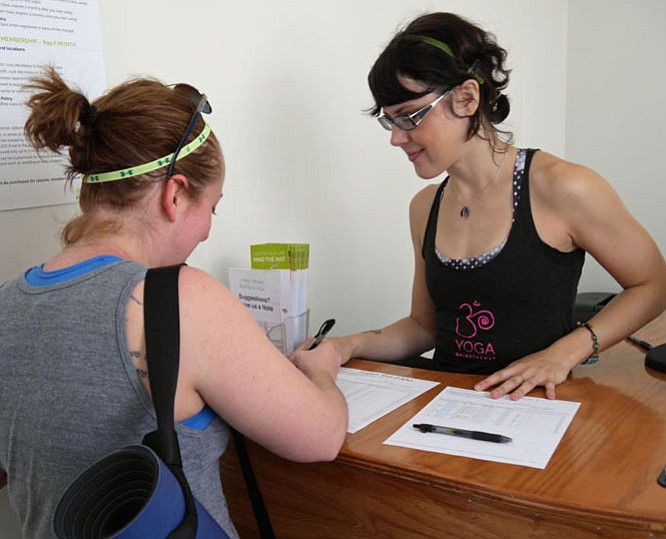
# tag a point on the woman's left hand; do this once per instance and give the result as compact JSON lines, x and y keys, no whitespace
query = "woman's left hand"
{"x":523,"y":375}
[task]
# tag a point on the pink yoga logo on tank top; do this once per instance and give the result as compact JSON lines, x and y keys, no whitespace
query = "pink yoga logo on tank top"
{"x":471,"y":322}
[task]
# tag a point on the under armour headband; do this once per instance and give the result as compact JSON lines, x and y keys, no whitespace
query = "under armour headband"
{"x":148,"y":167}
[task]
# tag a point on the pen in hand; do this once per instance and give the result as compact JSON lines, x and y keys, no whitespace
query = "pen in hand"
{"x":323,"y":330}
{"x":462,"y":433}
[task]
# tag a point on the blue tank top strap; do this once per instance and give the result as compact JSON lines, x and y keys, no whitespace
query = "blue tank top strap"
{"x":201,"y":420}
{"x":38,"y":277}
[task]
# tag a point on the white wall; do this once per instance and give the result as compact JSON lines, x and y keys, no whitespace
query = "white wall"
{"x":287,"y":81}
{"x":615,"y":107}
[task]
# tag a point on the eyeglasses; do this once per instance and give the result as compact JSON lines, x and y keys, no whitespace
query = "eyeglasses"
{"x":406,"y":122}
{"x":201,"y":104}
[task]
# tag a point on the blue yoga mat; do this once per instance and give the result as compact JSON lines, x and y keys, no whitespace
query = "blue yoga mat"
{"x":129,"y":494}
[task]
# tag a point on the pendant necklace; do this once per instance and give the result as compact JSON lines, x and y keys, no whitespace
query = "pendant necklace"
{"x":465,"y":211}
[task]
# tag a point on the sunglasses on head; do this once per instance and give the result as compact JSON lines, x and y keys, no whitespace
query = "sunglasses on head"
{"x":201,"y":104}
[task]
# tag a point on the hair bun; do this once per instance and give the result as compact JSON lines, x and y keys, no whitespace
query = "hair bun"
{"x":89,"y":116}
{"x":500,"y":110}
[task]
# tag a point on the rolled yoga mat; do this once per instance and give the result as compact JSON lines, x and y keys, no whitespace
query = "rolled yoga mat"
{"x":129,"y":494}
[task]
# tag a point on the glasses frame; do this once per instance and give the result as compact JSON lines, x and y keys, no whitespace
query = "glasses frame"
{"x":201,"y":104}
{"x":409,"y":121}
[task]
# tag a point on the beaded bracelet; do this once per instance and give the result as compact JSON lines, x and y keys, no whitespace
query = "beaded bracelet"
{"x":595,"y":344}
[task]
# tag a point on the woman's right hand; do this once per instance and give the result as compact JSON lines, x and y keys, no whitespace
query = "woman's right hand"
{"x":343,"y":346}
{"x":293,"y":409}
{"x":323,"y":361}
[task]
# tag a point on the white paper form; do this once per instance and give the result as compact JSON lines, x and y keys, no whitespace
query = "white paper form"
{"x":371,"y":395}
{"x":535,"y":425}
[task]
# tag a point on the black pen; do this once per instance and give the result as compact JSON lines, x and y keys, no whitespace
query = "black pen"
{"x":644,"y":345}
{"x":462,"y":433}
{"x":323,"y":330}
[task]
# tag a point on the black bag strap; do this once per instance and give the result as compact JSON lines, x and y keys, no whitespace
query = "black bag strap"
{"x":162,"y":330}
{"x":253,"y":490}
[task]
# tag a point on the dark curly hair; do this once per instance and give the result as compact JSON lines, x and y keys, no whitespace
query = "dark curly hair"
{"x":475,"y":55}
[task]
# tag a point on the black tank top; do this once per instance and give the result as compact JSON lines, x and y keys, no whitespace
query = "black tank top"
{"x":519,"y":302}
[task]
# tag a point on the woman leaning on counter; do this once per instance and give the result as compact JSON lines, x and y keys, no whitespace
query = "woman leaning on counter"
{"x":499,"y":244}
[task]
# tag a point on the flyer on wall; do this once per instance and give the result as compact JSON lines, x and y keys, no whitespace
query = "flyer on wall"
{"x":33,"y":34}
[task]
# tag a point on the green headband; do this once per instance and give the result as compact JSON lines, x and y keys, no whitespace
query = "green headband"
{"x":148,"y":167}
{"x":445,"y":48}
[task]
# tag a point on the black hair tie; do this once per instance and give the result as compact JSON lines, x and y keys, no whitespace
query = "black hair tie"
{"x":89,"y":116}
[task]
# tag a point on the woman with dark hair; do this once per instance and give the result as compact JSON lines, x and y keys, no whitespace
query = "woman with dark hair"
{"x":74,"y":383}
{"x":500,"y":243}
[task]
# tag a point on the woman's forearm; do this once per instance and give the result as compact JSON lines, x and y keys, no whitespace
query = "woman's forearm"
{"x":402,"y":339}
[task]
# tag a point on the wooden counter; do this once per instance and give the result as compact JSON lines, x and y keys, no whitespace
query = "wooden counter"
{"x":600,"y":482}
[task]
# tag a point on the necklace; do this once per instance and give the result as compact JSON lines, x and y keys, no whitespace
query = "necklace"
{"x":465,"y":211}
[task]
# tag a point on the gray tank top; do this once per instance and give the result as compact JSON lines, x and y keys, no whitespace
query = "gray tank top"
{"x":69,"y":394}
